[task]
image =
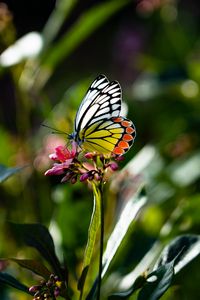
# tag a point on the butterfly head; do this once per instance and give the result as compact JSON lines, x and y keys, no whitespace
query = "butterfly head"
{"x":75,"y":137}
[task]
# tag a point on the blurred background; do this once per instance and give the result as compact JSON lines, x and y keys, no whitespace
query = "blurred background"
{"x":50,"y":53}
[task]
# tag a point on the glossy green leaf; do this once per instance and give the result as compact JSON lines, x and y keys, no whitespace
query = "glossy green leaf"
{"x":157,"y":283}
{"x":127,"y":216}
{"x":38,"y":237}
{"x":11,"y":281}
{"x":139,"y":282}
{"x":7,"y":172}
{"x":187,"y":247}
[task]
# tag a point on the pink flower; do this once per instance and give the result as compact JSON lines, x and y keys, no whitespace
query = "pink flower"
{"x":68,"y":163}
{"x":64,"y":158}
{"x":63,"y":154}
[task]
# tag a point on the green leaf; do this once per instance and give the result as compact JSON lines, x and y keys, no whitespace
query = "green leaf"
{"x":56,"y":19}
{"x":87,"y":23}
{"x":127,"y":216}
{"x":92,"y":232}
{"x":82,"y":278}
{"x":139,"y":282}
{"x":129,"y":212}
{"x":11,"y":281}
{"x":35,"y":266}
{"x":172,"y":259}
{"x":157,"y":283}
{"x":7,"y":172}
{"x":38,"y":237}
{"x":179,"y":170}
{"x":187,"y":247}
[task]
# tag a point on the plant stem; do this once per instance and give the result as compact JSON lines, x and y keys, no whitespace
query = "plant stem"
{"x":101,"y":241}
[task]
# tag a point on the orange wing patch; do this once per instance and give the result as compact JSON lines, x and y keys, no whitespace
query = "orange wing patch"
{"x":128,"y":135}
{"x":130,"y":130}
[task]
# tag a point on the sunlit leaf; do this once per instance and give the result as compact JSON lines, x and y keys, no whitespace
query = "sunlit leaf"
{"x":188,"y":245}
{"x":126,"y":294}
{"x":56,"y":19}
{"x":11,"y":281}
{"x":7,"y":172}
{"x":185,"y":171}
{"x":157,"y":283}
{"x":85,"y":25}
{"x":127,"y":216}
{"x":126,"y":282}
{"x":38,"y":237}
{"x":160,"y":279}
{"x":80,"y":30}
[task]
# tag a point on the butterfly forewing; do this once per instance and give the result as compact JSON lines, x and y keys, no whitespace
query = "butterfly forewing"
{"x":102,"y":101}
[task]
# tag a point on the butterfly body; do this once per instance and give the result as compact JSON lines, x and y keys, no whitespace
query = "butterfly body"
{"x":98,"y":124}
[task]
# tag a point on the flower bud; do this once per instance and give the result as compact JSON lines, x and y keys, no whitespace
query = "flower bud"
{"x":74,"y":179}
{"x":67,"y":177}
{"x":56,"y":292}
{"x":33,"y":288}
{"x":84,"y":177}
{"x":119,"y":158}
{"x":113,"y":166}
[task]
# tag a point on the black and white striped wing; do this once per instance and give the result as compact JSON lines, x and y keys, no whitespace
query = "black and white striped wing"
{"x":101,"y":102}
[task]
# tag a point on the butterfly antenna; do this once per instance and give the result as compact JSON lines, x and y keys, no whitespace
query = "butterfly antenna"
{"x":55,"y":131}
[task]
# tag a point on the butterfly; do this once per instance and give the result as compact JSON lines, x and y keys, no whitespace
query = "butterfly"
{"x":98,"y":126}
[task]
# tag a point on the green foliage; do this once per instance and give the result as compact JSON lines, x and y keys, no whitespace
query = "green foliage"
{"x":35,"y":266}
{"x":153,"y":53}
{"x":12,"y":281}
{"x":37,"y":236}
{"x":92,"y":233}
{"x":163,"y":278}
{"x":7,"y":172}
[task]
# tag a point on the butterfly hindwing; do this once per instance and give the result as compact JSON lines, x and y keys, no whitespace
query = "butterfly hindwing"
{"x":128,"y":136}
{"x":115,"y":135}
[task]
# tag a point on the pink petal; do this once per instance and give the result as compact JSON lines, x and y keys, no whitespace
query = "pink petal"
{"x":62,"y":153}
{"x":57,"y":169}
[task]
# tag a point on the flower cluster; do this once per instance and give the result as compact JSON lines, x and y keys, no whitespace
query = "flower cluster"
{"x":91,"y":166}
{"x":47,"y":290}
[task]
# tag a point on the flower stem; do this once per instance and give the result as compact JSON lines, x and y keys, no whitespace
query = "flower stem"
{"x":101,"y":241}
